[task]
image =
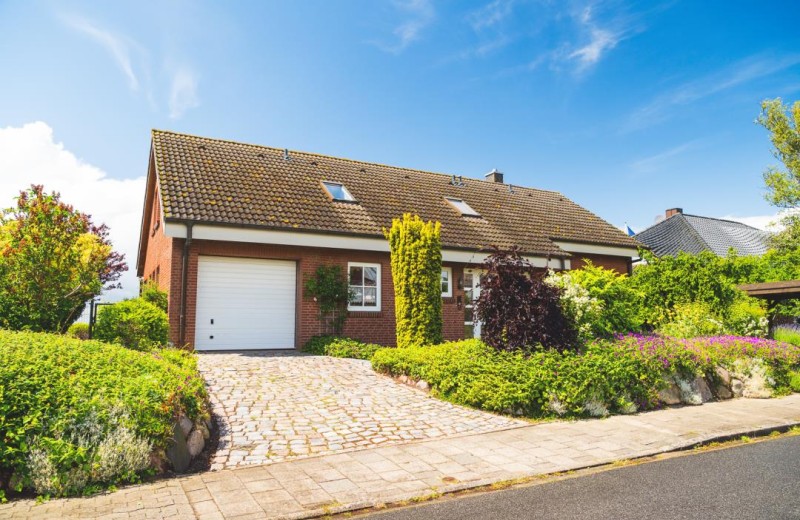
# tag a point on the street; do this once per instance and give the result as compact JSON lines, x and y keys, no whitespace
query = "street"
{"x":753,"y":481}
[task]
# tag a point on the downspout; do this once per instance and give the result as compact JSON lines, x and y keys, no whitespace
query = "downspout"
{"x":184,"y":283}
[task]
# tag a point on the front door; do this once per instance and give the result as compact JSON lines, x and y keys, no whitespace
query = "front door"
{"x":472,"y":289}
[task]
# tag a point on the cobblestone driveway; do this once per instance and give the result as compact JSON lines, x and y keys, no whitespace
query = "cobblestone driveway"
{"x":275,"y":407}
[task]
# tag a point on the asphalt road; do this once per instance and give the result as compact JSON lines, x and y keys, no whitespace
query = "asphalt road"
{"x":752,"y":481}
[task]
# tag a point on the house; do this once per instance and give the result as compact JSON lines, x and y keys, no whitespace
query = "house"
{"x":693,"y":234}
{"x":232,"y":230}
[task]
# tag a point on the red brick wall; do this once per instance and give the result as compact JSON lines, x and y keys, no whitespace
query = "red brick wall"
{"x":374,"y":327}
{"x":619,"y":264}
{"x":158,"y":259}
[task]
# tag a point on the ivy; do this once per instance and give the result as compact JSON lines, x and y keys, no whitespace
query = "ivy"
{"x":329,"y":289}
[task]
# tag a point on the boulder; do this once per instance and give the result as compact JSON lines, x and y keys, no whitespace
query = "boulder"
{"x":737,"y":387}
{"x":722,"y":383}
{"x":177,"y":452}
{"x":204,"y":430}
{"x":185,"y":424}
{"x":702,"y":388}
{"x":670,"y":395}
{"x":423,"y":385}
{"x":195,"y":443}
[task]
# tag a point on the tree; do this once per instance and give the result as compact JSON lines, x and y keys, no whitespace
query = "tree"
{"x":517,"y":310}
{"x":53,"y":260}
{"x":416,"y":256}
{"x":783,"y":185}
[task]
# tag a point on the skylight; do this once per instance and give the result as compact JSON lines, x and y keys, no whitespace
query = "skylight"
{"x":462,"y":207}
{"x":337,"y":191}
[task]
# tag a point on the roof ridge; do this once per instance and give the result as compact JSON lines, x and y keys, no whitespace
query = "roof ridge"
{"x":724,"y":220}
{"x":415,"y":170}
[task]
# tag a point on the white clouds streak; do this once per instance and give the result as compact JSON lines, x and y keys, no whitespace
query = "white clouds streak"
{"x":663,"y":106}
{"x":183,"y":92}
{"x":656,"y":162}
{"x":419,"y":14}
{"x":116,"y":45}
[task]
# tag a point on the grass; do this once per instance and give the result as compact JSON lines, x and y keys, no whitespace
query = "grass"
{"x":789,"y":335}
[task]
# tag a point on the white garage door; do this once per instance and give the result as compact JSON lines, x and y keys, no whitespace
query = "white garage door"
{"x":244,"y":303}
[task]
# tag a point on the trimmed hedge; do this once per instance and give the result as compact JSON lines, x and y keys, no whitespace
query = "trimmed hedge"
{"x":135,"y":323}
{"x":71,"y":411}
{"x":335,"y":346}
{"x":614,"y":376}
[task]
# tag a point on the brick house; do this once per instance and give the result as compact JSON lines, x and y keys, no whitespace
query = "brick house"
{"x":232,"y":230}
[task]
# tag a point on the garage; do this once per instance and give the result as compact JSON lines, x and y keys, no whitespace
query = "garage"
{"x":245,"y":304}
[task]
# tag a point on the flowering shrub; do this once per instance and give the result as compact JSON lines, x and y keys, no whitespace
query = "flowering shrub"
{"x":619,"y":375}
{"x":81,"y":413}
{"x":578,"y":306}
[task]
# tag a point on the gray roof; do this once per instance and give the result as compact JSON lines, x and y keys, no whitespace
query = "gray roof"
{"x":693,"y":234}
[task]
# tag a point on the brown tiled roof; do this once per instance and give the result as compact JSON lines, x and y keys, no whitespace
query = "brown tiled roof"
{"x":223,"y":182}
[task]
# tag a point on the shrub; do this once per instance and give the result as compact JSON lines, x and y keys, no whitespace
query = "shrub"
{"x":747,"y":317}
{"x":517,"y":309}
{"x":340,"y":347}
{"x":787,"y":335}
{"x":621,"y":309}
{"x":581,"y":309}
{"x":135,"y":323}
{"x":78,"y":330}
{"x":416,"y":256}
{"x":611,"y":376}
{"x":77,"y":413}
{"x":152,"y":293}
{"x":330,"y":290}
{"x":688,"y":320}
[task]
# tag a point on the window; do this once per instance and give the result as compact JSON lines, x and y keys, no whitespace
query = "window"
{"x":462,"y":207}
{"x":447,"y":282}
{"x":337,"y":191}
{"x":365,"y":286}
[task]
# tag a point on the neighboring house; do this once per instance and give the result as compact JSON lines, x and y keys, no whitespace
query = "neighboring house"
{"x":232,"y":230}
{"x":693,"y":234}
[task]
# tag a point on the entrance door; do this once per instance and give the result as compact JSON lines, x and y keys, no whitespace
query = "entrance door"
{"x":472,"y":289}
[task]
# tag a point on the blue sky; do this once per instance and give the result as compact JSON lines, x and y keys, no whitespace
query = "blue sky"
{"x":628,"y":108}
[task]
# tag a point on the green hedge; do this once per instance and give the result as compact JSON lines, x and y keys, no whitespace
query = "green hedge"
{"x":74,"y":413}
{"x":614,"y":376}
{"x":335,"y":346}
{"x":135,"y":323}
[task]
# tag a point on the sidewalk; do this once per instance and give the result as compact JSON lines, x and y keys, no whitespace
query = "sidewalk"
{"x":358,"y":479}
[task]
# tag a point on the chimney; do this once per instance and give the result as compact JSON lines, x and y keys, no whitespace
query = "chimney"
{"x":494,"y":176}
{"x":673,"y":211}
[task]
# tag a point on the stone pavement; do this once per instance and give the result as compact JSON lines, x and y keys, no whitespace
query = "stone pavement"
{"x":391,"y":473}
{"x":274,"y":407}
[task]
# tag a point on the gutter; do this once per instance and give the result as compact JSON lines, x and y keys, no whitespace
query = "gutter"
{"x":184,"y":283}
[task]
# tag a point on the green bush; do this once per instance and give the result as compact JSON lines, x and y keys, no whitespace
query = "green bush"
{"x":78,"y":330}
{"x":747,"y":317}
{"x":340,"y":347}
{"x":416,"y":257}
{"x":135,"y":323}
{"x":787,"y":335}
{"x":689,"y":320}
{"x":794,"y":381}
{"x":610,"y":376}
{"x":621,"y":309}
{"x":74,"y":414}
{"x":151,"y":292}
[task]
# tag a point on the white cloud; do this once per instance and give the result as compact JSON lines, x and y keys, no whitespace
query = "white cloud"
{"x":490,"y":14}
{"x":183,"y":92}
{"x":601,"y":41}
{"x":29,"y":155}
{"x":766,"y":222}
{"x":117,"y":45}
{"x":740,"y":73}
{"x":420,"y":14}
{"x":657,"y":161}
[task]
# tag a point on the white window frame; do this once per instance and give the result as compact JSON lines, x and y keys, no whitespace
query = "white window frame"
{"x":363,"y":308}
{"x":462,"y":207}
{"x":449,"y":292}
{"x":348,"y":196}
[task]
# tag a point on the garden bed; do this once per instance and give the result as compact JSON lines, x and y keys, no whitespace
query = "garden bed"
{"x":76,"y":416}
{"x":623,"y":375}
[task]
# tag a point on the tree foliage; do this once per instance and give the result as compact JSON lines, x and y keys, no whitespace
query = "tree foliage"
{"x":783,"y":184}
{"x":328,"y":287}
{"x":416,"y":256}
{"x":151,"y":292}
{"x":517,"y":310}
{"x":53,"y":259}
